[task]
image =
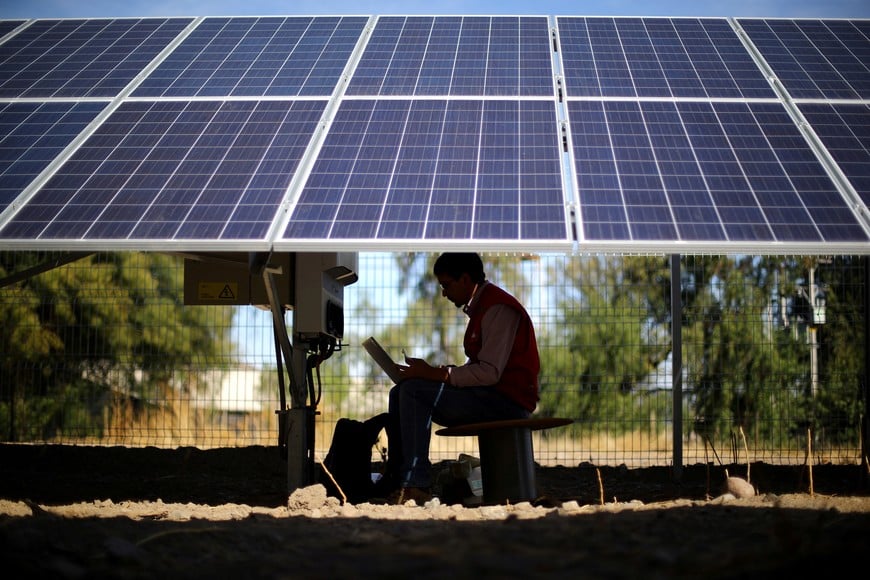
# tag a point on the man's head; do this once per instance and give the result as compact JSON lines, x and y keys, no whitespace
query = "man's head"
{"x":459,"y":274}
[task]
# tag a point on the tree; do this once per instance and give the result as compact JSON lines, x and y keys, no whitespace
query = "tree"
{"x":740,"y":364}
{"x":745,"y":354}
{"x":85,"y":332}
{"x":612,"y":310}
{"x":834,"y":411}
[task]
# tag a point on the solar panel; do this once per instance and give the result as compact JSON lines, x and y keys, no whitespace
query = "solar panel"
{"x":459,"y":56}
{"x":81,"y":58}
{"x":174,"y":170}
{"x":7,"y":26}
{"x":436,"y":170}
{"x":702,"y":171}
{"x":815,"y":59}
{"x":845,"y":131}
{"x":657,"y":57}
{"x":293,"y":56}
{"x":530,"y":133}
{"x":32,"y":134}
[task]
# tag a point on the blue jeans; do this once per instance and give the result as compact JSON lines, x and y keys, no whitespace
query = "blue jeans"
{"x":415,"y":404}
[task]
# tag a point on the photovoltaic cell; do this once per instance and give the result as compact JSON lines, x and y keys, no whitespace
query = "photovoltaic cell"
{"x":845,"y":131}
{"x":657,"y":57}
{"x":269,"y":56}
{"x":458,"y":56}
{"x":702,"y":171}
{"x":449,"y":130}
{"x":174,"y":170}
{"x":32,"y":134}
{"x":7,"y":26}
{"x":81,"y":58}
{"x":436,"y":169}
{"x":815,"y":59}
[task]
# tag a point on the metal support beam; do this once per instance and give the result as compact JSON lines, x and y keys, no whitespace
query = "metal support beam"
{"x":296,"y":423}
{"x":43,"y":267}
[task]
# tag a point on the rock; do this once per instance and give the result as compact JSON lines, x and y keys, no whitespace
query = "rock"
{"x":738,"y":487}
{"x":307,"y":498}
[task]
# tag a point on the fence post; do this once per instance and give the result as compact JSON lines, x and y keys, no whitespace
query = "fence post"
{"x":677,"y":363}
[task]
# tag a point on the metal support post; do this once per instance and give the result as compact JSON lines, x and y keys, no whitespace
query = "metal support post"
{"x":297,"y":426}
{"x":677,"y":363}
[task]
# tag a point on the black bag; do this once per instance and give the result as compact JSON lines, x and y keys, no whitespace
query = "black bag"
{"x":349,"y":459}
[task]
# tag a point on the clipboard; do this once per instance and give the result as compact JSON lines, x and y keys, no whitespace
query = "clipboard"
{"x":384,"y":360}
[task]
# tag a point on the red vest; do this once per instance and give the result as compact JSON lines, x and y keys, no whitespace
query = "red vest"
{"x":519,"y":381}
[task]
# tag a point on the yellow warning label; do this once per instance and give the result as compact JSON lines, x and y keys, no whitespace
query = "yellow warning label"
{"x":218,"y":291}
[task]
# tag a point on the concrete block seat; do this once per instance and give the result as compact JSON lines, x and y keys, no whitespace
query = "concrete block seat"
{"x":507,"y":460}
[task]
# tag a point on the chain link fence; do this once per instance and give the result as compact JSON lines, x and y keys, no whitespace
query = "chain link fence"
{"x":771,"y":363}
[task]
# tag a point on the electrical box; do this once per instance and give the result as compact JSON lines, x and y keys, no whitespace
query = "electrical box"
{"x":310,"y":283}
{"x":320,"y":281}
{"x":226,"y":279}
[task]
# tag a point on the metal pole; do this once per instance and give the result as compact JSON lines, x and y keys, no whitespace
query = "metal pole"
{"x":299,"y":432}
{"x":812,"y":336}
{"x":677,"y":364}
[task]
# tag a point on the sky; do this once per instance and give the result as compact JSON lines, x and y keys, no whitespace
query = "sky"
{"x":733,"y":8}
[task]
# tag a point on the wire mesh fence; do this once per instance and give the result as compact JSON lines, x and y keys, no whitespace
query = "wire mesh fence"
{"x":770,"y":361}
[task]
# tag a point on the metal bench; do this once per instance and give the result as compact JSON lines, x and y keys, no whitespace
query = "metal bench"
{"x":507,"y":459}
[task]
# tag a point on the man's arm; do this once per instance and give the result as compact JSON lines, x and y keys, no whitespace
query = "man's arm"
{"x":499,"y":327}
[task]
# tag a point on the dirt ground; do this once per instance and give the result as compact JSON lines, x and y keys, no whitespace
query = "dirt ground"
{"x":94,"y":512}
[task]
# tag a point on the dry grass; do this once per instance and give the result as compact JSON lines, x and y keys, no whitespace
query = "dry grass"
{"x":178,"y":423}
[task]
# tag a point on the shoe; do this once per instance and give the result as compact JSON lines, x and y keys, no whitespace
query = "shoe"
{"x":403,"y":495}
{"x":385,"y":487}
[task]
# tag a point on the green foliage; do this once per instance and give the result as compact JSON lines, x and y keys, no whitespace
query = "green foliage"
{"x":748,"y":353}
{"x":610,"y":308}
{"x":745,"y":354}
{"x":746,"y":360}
{"x":839,"y":404}
{"x":113,"y":327}
{"x":107,"y":322}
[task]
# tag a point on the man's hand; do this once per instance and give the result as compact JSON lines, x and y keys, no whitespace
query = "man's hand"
{"x":417,"y":368}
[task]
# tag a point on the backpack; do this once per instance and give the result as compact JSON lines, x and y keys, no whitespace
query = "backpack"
{"x":349,"y":459}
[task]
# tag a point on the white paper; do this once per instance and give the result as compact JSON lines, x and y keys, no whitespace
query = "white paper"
{"x":384,"y":360}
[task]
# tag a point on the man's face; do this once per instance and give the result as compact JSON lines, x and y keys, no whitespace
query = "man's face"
{"x":457,"y":290}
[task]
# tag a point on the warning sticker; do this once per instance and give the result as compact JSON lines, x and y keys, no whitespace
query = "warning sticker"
{"x":218,"y":291}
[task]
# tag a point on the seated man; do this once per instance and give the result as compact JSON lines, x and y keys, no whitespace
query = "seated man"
{"x":498,"y":381}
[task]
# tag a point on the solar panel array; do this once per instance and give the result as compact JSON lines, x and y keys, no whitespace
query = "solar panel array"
{"x":472,"y":56}
{"x":657,"y":57}
{"x":173,"y":170}
{"x":521,"y":133}
{"x":257,"y":57}
{"x":32,"y":134}
{"x":81,"y":58}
